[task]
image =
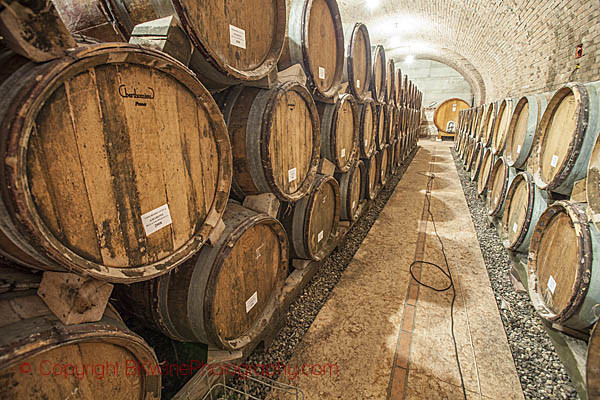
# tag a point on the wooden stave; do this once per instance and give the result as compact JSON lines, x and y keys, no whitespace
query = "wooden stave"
{"x":367,"y":150}
{"x":258,"y":133}
{"x":149,"y":302}
{"x":536,"y":205}
{"x":47,"y":78}
{"x":579,"y":314}
{"x":379,"y":60}
{"x":346,"y":180}
{"x":350,"y":32}
{"x":18,"y":344}
{"x":497,"y":209}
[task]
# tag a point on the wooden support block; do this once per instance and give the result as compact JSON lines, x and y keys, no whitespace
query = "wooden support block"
{"x":266,"y":203}
{"x":215,"y":234}
{"x":73,"y":298}
{"x":265,"y":83}
{"x":298,"y":263}
{"x":295,"y":73}
{"x":571,"y":332}
{"x":34,"y":29}
{"x":166,"y":35}
{"x":326,"y":167}
{"x":579,"y":193}
{"x":517,"y":285}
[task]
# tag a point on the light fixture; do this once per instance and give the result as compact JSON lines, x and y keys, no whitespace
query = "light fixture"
{"x":409,"y":59}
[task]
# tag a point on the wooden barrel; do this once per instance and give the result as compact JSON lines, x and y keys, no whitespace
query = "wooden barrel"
{"x":312,"y":223}
{"x":40,"y":358}
{"x":478,"y":115}
{"x":487,"y":162}
{"x":477,"y":164}
{"x":592,"y":187}
{"x":564,"y":270}
{"x":522,"y":129}
{"x":399,"y":93}
{"x":352,"y":191}
{"x":568,"y":130}
{"x":474,"y":121}
{"x":505,"y":110}
{"x":380,"y":110}
{"x":487,"y":120}
{"x":367,"y":132}
{"x":339,"y":131}
{"x":524,"y":204}
{"x":357,"y":67}
{"x":315,"y":41}
{"x":226,"y":294}
{"x":390,"y":76}
{"x":234,"y":43}
{"x":392,"y":120}
{"x":10,"y":62}
{"x":371,"y":175}
{"x":383,"y":165}
{"x":120,"y":198}
{"x":398,"y":153}
{"x":445,"y":116}
{"x":500,"y":179}
{"x":472,"y":157}
{"x":378,"y":77}
{"x":275,"y":138}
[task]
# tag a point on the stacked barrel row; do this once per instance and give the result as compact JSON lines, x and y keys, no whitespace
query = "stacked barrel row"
{"x":536,"y":161}
{"x":128,"y":165}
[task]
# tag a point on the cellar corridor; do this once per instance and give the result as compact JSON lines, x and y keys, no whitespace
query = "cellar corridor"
{"x":389,"y":337}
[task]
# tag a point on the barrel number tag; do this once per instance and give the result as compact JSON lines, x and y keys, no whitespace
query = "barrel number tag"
{"x":156,"y":219}
{"x":353,"y":203}
{"x":320,"y":237}
{"x":343,"y":152}
{"x":515,"y":227}
{"x":292,"y":175}
{"x":358,"y":83}
{"x":237,"y":37}
{"x":554,"y":161}
{"x":251,"y":302}
{"x":366,"y":142}
{"x":321,"y":73}
{"x":551,"y":284}
{"x":518,"y":149}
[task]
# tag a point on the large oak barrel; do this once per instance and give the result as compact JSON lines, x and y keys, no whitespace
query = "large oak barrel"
{"x":40,"y":358}
{"x":477,"y":163}
{"x":445,"y":116}
{"x":116,"y":163}
{"x":398,"y":153}
{"x":339,"y":131}
{"x":367,"y":132}
{"x":505,"y":110}
{"x":234,"y":42}
{"x":352,"y":191}
{"x":390,"y":119}
{"x":524,"y":204}
{"x":488,"y":133}
{"x":473,"y":149}
{"x":380,"y":109}
{"x":568,"y":131}
{"x":564,"y":267}
{"x":226,"y":294}
{"x":522,"y":129}
{"x":371,"y":175}
{"x":315,"y":41}
{"x":487,"y":162}
{"x":378,"y":78}
{"x":275,"y":138}
{"x":500,"y":179}
{"x":399,"y":93}
{"x":312,"y":223}
{"x":390,"y":76}
{"x":383,"y":165}
{"x":357,"y":66}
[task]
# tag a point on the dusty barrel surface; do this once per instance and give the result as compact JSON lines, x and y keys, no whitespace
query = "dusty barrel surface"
{"x":522,"y":129}
{"x":275,"y":138}
{"x":564,"y":269}
{"x":390,"y":77}
{"x":234,"y":42}
{"x":32,"y":337}
{"x":378,"y":76}
{"x":500,"y":179}
{"x":371,"y":178}
{"x":567,"y":133}
{"x":445,"y":116}
{"x":352,"y":191}
{"x":485,"y":170}
{"x":524,"y":204}
{"x":505,"y":110}
{"x":104,"y":171}
{"x":226,"y":294}
{"x":315,"y":41}
{"x":358,"y":67}
{"x":367,"y":133}
{"x":312,"y":223}
{"x":339,"y":131}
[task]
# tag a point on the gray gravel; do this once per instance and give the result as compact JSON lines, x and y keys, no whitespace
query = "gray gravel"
{"x":540,"y":370}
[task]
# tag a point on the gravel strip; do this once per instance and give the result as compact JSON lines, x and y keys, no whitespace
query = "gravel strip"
{"x":540,"y":370}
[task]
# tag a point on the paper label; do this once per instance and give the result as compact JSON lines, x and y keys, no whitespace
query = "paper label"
{"x":320,"y":237}
{"x":251,"y":302}
{"x":156,"y":219}
{"x":343,"y":153}
{"x":321,"y":73}
{"x":366,"y":142}
{"x":515,"y":228}
{"x":453,"y":107}
{"x":518,"y":149}
{"x":358,"y":83}
{"x":292,"y":175}
{"x":496,"y":201}
{"x":551,"y":284}
{"x":237,"y":36}
{"x":554,"y":161}
{"x":353,"y":203}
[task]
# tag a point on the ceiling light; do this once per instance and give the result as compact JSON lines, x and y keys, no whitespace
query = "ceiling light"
{"x":409,"y":59}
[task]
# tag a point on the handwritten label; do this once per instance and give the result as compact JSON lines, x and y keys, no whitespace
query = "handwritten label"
{"x":128,"y":94}
{"x":551,"y":284}
{"x":518,"y":149}
{"x":554,"y":161}
{"x":358,"y":83}
{"x":515,"y":228}
{"x":320,"y":237}
{"x":251,"y":302}
{"x":343,"y":152}
{"x":321,"y":73}
{"x":237,"y":37}
{"x":156,"y":219}
{"x":292,"y":175}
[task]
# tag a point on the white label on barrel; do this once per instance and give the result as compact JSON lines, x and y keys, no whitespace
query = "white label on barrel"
{"x":237,"y":36}
{"x":515,"y":228}
{"x":551,"y":284}
{"x":554,"y":161}
{"x":366,"y":142}
{"x":453,"y":107}
{"x":321,"y":73}
{"x":251,"y":302}
{"x":343,"y":152}
{"x":292,"y":175}
{"x":156,"y":219}
{"x":358,"y":83}
{"x":353,"y":203}
{"x":518,"y":149}
{"x":496,"y":201}
{"x":320,"y":237}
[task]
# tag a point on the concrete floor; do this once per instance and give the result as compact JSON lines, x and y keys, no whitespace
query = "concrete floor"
{"x":384,"y":337}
